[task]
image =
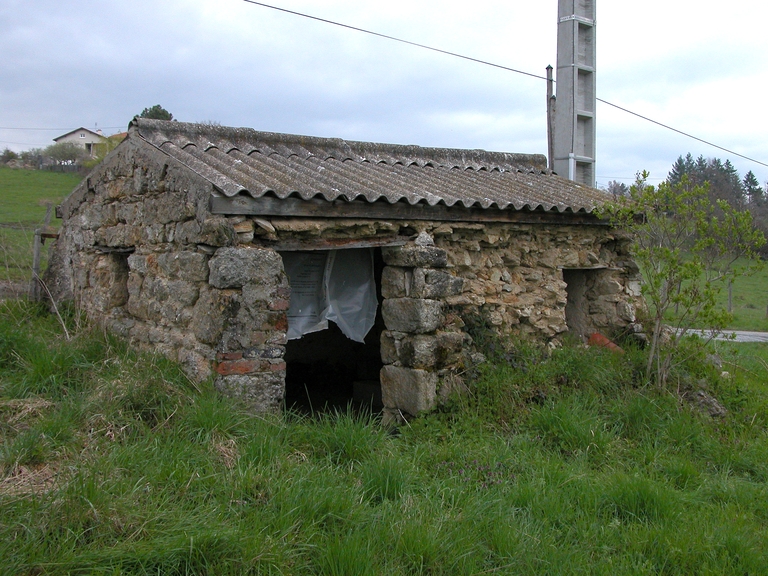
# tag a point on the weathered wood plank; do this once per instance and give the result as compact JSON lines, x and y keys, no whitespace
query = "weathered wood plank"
{"x":315,"y":208}
{"x":321,"y":244}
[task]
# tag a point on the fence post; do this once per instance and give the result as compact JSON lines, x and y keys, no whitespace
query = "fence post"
{"x":34,"y":285}
{"x":730,"y":296}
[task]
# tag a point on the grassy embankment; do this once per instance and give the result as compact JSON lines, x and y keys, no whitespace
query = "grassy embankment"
{"x":114,"y":463}
{"x":23,"y":198}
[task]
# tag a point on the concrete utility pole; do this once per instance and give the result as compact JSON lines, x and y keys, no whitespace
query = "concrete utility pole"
{"x":574,"y":130}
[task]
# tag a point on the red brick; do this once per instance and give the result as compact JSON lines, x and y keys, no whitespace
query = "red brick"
{"x":230,"y":367}
{"x":282,"y":323}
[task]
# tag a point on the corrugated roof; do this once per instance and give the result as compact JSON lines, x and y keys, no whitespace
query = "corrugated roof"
{"x":244,"y":161}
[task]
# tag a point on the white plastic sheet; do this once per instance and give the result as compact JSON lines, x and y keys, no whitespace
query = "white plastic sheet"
{"x":335,"y":285}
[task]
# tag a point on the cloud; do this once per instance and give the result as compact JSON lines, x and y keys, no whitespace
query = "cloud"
{"x":80,"y":63}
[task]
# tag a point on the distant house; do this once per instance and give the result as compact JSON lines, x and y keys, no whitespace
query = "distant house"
{"x":82,"y":137}
{"x":288,"y":266}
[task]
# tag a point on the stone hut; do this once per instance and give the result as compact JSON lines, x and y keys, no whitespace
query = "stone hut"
{"x":292,"y":266}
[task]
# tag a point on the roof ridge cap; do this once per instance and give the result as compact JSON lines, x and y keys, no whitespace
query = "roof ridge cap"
{"x":364,"y":150}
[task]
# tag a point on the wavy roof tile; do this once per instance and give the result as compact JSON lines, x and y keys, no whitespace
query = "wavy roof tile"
{"x":244,"y":161}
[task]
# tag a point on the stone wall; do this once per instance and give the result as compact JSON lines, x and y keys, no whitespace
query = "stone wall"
{"x":140,"y":252}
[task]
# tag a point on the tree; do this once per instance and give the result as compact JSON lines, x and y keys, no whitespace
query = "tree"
{"x":32,"y":157}
{"x":687,"y":249}
{"x":65,"y":153}
{"x":156,"y":112}
{"x":752,"y":189}
{"x":7,"y":155}
{"x":681,"y":167}
{"x":723,"y":178}
{"x":617,"y":189}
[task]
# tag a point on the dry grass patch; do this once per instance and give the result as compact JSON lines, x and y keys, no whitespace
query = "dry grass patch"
{"x":30,"y":480}
{"x":20,"y":410}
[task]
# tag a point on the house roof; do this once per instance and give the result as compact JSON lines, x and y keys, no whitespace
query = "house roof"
{"x":81,"y":129}
{"x":264,"y":164}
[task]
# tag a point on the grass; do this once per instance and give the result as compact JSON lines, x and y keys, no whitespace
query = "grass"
{"x":24,"y":195}
{"x":750,"y":302}
{"x":114,"y":463}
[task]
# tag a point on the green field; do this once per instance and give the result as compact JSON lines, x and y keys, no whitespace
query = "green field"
{"x":24,"y":195}
{"x":114,"y":463}
{"x":750,"y":302}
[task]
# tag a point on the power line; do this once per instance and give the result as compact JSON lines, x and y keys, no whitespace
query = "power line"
{"x":486,"y":63}
{"x":681,"y":132}
{"x":17,"y":143}
{"x":57,"y":129}
{"x":395,"y":39}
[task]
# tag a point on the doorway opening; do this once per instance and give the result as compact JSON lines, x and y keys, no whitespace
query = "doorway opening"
{"x":577,"y":316}
{"x":326,"y":370}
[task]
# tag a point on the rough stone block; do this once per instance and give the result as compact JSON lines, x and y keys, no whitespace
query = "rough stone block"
{"x":449,"y":348}
{"x":186,"y":265}
{"x":418,"y":352}
{"x":415,"y":256}
{"x":394,"y":282}
{"x":435,"y":284}
{"x":120,"y":235}
{"x":217,"y":232}
{"x":409,"y":390}
{"x":389,"y":345}
{"x":412,"y":315}
{"x":262,"y":392}
{"x":236,"y":267}
{"x":212,"y":311}
{"x":188,"y":232}
{"x":634,"y":288}
{"x":626,"y":311}
{"x":608,"y":286}
{"x":270,"y":292}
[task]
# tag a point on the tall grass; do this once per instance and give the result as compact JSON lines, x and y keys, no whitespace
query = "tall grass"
{"x":555,"y":463}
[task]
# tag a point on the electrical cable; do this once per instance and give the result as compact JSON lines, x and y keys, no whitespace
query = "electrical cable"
{"x":387,"y":37}
{"x":486,"y":63}
{"x":59,"y":129}
{"x":681,"y":132}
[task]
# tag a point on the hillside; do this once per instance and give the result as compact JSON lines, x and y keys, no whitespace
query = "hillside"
{"x":561,"y":463}
{"x":24,"y":196}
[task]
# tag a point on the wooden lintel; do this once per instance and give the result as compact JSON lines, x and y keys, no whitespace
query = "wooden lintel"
{"x":114,"y":250}
{"x":315,"y":208}
{"x":321,"y":244}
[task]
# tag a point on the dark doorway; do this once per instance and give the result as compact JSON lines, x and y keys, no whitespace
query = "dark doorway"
{"x":577,"y":308}
{"x":325,"y":370}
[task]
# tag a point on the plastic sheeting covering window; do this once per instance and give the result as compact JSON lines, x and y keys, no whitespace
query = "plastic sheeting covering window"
{"x":335,"y":285}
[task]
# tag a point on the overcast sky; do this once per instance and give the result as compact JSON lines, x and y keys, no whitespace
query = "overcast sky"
{"x":697,"y":65}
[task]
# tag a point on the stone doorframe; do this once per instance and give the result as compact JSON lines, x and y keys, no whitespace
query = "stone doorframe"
{"x":415,"y":349}
{"x":247,"y":304}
